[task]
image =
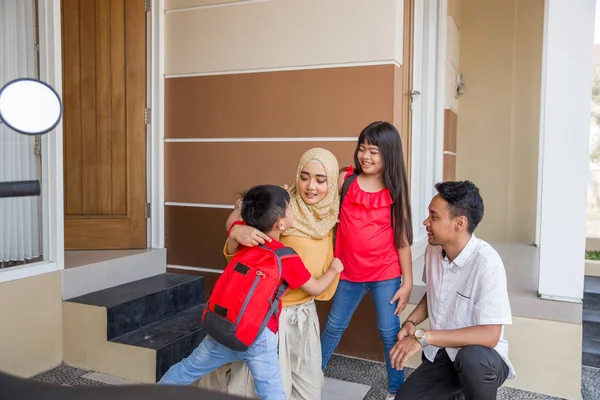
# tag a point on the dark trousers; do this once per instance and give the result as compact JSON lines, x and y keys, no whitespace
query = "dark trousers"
{"x":476,"y":373}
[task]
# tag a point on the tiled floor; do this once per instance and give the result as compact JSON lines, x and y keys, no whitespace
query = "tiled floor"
{"x":343,"y":368}
{"x":373,"y":374}
{"x":69,"y":376}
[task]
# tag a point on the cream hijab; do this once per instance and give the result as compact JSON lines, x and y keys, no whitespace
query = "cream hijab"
{"x":315,"y":221}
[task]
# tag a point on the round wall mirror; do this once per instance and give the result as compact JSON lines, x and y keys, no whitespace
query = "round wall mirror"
{"x":30,"y":106}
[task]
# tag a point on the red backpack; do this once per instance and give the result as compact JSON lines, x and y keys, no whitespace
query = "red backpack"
{"x":245,"y":296}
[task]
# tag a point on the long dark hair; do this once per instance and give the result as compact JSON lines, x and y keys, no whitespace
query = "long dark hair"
{"x":385,"y":136}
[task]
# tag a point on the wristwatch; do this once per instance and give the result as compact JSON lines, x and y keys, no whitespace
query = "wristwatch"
{"x":421,"y":337}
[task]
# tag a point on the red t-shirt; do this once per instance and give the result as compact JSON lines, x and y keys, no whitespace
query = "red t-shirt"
{"x":365,"y":236}
{"x":293,"y":272}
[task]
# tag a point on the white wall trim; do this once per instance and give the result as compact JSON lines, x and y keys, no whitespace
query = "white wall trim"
{"x":280,"y":69}
{"x":428,"y":108}
{"x":157,"y":159}
{"x":52,"y":164}
{"x":187,"y":268}
{"x":28,"y":270}
{"x":275,"y":139}
{"x":418,"y":249}
{"x":440,"y":83}
{"x":451,"y":19}
{"x":199,"y":205}
{"x":451,"y":108}
{"x":219,"y":5}
{"x":538,"y":211}
{"x":568,"y":44}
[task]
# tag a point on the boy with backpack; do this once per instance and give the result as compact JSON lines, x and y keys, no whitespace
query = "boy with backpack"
{"x":241,"y":315}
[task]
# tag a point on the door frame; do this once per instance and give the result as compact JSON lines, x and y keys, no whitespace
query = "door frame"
{"x":155,"y":162}
{"x":427,"y":134}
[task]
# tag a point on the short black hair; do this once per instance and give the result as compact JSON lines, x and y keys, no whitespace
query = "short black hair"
{"x":463,"y":200}
{"x":263,"y":205}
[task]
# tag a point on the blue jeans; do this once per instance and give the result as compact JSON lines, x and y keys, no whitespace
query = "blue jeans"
{"x":345,"y":301}
{"x":261,"y":358}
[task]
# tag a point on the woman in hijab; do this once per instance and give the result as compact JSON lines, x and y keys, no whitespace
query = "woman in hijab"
{"x":315,"y":203}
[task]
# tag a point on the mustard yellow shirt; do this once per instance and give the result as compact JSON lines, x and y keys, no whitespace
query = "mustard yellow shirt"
{"x":316,"y":255}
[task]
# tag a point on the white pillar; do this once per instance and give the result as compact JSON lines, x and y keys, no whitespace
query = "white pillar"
{"x":564,"y":130}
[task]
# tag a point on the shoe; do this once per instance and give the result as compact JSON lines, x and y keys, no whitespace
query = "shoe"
{"x":390,"y":397}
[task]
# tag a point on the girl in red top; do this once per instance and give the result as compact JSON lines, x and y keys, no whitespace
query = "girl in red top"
{"x":373,"y":242}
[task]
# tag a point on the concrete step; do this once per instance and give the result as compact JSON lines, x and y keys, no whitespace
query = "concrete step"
{"x":173,"y":338}
{"x":591,"y":293}
{"x":591,"y":352}
{"x":591,"y":324}
{"x":137,"y":304}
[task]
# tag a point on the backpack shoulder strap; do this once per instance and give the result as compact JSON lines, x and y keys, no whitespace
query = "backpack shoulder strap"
{"x":285,"y":252}
{"x":346,"y":186}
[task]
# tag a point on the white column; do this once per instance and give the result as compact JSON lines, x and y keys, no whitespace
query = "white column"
{"x":52,"y":167}
{"x":564,"y":130}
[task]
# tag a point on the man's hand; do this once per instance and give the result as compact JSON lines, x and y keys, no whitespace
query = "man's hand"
{"x":248,"y":236}
{"x":403,"y":350}
{"x":401,"y":296}
{"x":408,"y":329}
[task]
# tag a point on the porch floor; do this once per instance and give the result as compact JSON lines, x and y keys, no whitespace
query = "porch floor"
{"x":363,"y":372}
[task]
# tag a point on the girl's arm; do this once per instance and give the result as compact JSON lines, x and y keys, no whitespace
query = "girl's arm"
{"x":403,"y":294}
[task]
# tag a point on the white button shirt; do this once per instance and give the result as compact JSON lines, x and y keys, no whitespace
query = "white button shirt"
{"x":469,"y":291}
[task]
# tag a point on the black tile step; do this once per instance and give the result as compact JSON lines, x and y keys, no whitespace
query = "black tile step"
{"x":173,"y":338}
{"x":591,"y":352}
{"x":136,"y":304}
{"x":591,"y":324}
{"x":591,"y":293}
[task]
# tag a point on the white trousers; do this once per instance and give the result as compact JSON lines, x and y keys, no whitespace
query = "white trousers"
{"x":299,"y":359}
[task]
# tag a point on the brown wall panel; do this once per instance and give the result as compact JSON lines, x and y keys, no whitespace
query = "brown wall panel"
{"x":216,"y":172}
{"x":361,"y":339}
{"x":449,"y":167}
{"x":210,"y":278}
{"x":450,"y":128}
{"x":317,"y":102}
{"x":195,"y":236}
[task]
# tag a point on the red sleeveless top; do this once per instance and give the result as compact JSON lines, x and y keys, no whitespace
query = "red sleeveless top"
{"x":365,"y":236}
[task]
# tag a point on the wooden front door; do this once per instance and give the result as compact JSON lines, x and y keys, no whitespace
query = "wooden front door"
{"x":104,"y":96}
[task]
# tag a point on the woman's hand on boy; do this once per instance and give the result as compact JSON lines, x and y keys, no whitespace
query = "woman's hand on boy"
{"x":402,"y":295}
{"x":248,"y":236}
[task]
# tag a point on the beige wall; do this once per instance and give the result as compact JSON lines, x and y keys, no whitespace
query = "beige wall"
{"x":455,"y":10}
{"x":31,"y":321}
{"x":280,"y":34}
{"x":498,"y":128}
